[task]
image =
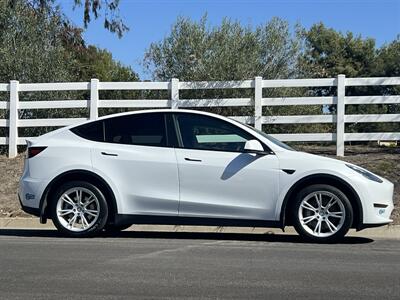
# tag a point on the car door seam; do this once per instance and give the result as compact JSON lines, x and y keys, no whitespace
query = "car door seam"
{"x":179,"y":180}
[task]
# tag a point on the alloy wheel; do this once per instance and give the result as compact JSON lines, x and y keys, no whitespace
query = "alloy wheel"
{"x":321,"y":213}
{"x":78,"y":209}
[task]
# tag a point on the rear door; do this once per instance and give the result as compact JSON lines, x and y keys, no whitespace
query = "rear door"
{"x":218,"y":179}
{"x":136,"y":155}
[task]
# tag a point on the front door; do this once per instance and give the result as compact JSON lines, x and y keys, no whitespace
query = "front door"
{"x":218,"y":179}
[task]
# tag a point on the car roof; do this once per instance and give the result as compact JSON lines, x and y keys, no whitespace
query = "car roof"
{"x":162,"y":110}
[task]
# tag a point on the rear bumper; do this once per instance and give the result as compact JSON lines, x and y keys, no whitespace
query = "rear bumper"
{"x":29,"y":210}
{"x":30,"y":192}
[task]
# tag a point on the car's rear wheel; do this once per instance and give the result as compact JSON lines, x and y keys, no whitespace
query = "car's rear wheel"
{"x":79,"y":209}
{"x":322,"y":213}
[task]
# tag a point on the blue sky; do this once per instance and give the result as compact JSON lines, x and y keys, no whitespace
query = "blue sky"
{"x":151,"y":20}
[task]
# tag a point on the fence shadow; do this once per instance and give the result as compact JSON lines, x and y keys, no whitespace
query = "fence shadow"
{"x":281,"y":238}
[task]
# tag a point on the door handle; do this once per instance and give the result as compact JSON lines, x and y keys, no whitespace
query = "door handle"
{"x":192,"y":159}
{"x":109,"y":154}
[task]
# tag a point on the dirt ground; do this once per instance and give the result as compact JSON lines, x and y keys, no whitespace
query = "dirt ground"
{"x":382,"y":161}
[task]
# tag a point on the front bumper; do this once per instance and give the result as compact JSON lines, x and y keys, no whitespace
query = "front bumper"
{"x":377,"y":203}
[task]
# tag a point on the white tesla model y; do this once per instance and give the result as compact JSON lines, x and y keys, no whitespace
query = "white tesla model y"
{"x":197,"y":168}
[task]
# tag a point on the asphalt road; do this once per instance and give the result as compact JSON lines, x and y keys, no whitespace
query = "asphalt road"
{"x":40,"y":264}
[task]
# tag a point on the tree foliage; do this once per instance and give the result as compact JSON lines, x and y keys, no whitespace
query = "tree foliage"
{"x":99,"y":63}
{"x":30,"y":46}
{"x":38,"y":44}
{"x":196,"y":51}
{"x":388,"y":59}
{"x":112,"y":19}
{"x":329,"y":53}
{"x":230,"y":51}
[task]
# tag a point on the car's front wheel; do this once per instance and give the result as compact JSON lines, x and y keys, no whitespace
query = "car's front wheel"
{"x":79,"y":209}
{"x":322,"y":213}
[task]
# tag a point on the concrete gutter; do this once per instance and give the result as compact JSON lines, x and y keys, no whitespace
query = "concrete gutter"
{"x":384,"y":232}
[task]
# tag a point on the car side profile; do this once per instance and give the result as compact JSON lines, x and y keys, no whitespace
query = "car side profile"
{"x":193,"y":168}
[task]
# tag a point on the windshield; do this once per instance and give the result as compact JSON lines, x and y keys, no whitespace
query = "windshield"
{"x":273,"y":140}
{"x":268,"y":137}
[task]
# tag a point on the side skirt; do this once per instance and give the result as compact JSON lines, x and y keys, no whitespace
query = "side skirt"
{"x":121,"y":219}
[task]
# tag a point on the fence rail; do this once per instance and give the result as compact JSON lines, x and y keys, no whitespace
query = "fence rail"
{"x":174,"y":86}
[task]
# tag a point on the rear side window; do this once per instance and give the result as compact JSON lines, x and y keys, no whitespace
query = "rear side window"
{"x":141,"y":129}
{"x":93,"y":131}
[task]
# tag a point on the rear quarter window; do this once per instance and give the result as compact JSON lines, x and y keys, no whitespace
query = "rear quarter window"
{"x":93,"y":131}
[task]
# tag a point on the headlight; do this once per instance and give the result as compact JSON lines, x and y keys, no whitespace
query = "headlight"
{"x":365,"y":173}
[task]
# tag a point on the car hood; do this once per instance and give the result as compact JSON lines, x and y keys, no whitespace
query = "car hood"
{"x":311,"y":162}
{"x":306,"y":161}
{"x":308,"y":157}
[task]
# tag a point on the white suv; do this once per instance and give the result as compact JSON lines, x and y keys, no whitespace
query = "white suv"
{"x":197,"y":168}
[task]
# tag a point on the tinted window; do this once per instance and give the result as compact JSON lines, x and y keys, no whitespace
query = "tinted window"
{"x":142,"y":129}
{"x":172,"y":139}
{"x":93,"y":131}
{"x":203,"y":132}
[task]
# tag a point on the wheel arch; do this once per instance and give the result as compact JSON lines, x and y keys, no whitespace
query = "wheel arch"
{"x":328,"y":179}
{"x":83,"y":175}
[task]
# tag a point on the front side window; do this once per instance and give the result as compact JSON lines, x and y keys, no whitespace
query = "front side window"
{"x":137,"y":129}
{"x":208,"y":133}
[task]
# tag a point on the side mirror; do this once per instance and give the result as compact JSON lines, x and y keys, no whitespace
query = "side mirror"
{"x":254,"y":146}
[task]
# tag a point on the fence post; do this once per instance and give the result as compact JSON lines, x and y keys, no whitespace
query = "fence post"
{"x":13,"y":119}
{"x":94,"y":99}
{"x":340,"y":114}
{"x":174,"y":93}
{"x":257,"y":103}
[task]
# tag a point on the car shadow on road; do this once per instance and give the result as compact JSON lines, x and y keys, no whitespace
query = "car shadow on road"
{"x":258,"y":237}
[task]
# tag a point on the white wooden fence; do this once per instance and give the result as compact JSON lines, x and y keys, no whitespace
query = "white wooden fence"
{"x":174,"y":86}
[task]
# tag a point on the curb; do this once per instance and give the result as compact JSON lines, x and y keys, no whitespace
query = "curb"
{"x":384,"y":232}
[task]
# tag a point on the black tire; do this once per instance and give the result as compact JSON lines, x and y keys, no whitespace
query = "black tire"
{"x":111,"y":228}
{"x":101,"y":206}
{"x":333,"y":232}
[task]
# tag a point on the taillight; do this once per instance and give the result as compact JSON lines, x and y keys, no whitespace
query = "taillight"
{"x":33,"y":151}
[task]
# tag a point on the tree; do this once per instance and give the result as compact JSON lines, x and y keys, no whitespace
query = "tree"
{"x":38,"y":44}
{"x":98,"y":63}
{"x":91,"y":9}
{"x":388,"y":64}
{"x":388,"y":59}
{"x":194,"y":51}
{"x":30,"y":47}
{"x":93,"y":62}
{"x":329,"y":53}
